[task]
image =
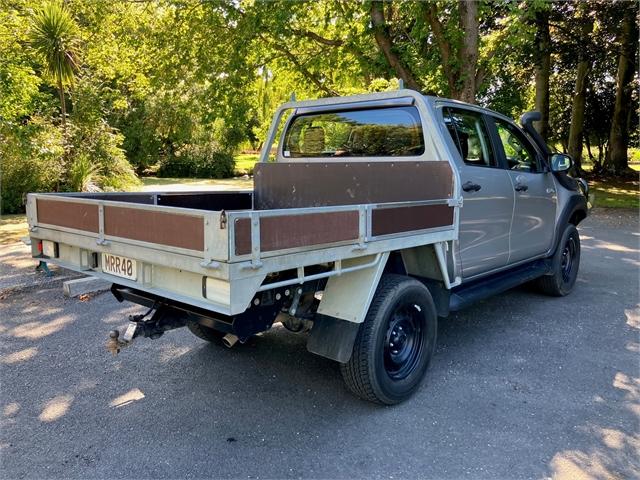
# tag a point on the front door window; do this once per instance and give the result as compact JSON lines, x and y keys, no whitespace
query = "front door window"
{"x":519,"y":155}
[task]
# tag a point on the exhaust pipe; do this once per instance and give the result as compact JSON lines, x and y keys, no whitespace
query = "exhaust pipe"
{"x":229,"y":340}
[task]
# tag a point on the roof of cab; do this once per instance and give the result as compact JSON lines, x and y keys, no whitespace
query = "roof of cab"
{"x":433,"y":100}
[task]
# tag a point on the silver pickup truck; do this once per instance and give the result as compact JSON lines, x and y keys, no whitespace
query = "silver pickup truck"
{"x":378,"y":214}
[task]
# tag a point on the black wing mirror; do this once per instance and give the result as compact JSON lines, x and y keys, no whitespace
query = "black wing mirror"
{"x":561,"y":162}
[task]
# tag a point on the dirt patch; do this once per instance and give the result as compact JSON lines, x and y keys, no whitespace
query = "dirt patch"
{"x":13,"y":228}
{"x":18,"y":270}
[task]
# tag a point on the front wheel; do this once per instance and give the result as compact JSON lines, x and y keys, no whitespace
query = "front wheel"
{"x":566,"y":263}
{"x":395,"y":342}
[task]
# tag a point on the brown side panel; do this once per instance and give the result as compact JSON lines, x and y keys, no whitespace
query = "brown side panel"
{"x":385,"y":221}
{"x":165,"y":228}
{"x":293,"y":231}
{"x":79,"y":216}
{"x":305,"y":184}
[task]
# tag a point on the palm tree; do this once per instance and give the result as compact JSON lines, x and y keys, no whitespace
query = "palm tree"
{"x":53,"y":36}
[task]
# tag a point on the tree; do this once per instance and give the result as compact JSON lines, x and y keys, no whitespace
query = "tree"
{"x":385,"y":44}
{"x":580,"y":90}
{"x":53,"y":37}
{"x":543,"y":69}
{"x":468,"y":46}
{"x":617,"y":160}
{"x":173,"y":81}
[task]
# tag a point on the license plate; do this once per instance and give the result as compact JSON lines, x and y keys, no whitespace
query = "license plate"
{"x":119,"y":266}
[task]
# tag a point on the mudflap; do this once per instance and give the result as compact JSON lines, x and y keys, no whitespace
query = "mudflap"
{"x":332,"y":338}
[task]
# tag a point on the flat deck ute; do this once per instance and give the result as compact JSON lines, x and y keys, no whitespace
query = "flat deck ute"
{"x":351,"y":232}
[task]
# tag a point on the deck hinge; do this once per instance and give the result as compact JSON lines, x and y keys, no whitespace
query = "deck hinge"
{"x":455,"y":202}
{"x":210,"y":264}
{"x":254,"y":265}
{"x":363,"y":214}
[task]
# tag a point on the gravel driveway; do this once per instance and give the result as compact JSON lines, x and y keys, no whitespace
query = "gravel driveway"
{"x":522,"y":386}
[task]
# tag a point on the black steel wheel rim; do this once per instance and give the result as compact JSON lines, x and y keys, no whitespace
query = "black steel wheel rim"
{"x":403,"y":344}
{"x":568,"y":258}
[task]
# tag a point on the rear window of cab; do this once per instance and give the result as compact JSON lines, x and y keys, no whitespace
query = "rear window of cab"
{"x":379,"y":132}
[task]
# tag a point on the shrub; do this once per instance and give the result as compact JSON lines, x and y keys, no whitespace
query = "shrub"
{"x":95,"y":154}
{"x":30,"y":161}
{"x":205,"y":154}
{"x":33,"y":159}
{"x":197,"y":161}
{"x":84,"y":176}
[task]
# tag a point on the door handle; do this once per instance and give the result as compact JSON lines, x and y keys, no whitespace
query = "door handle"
{"x":521,"y":187}
{"x":471,"y":187}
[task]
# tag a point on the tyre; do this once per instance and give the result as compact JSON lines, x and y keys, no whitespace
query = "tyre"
{"x":566,"y":263}
{"x":395,"y":342}
{"x":206,"y":333}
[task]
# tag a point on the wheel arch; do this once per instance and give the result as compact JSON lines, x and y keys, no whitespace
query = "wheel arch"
{"x":573,"y":212}
{"x":346,"y":298}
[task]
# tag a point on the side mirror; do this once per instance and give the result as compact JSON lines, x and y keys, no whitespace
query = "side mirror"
{"x":561,"y":162}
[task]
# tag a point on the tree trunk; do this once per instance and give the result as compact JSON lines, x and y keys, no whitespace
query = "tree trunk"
{"x":63,"y":106}
{"x":600,"y":152}
{"x":469,"y":52}
{"x":385,"y":43}
{"x":577,"y":114}
{"x":580,"y":93}
{"x":543,"y":71}
{"x":588,"y":145}
{"x":617,"y":160}
{"x":430,"y":12}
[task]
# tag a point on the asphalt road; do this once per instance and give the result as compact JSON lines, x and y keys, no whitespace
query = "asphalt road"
{"x":522,"y":386}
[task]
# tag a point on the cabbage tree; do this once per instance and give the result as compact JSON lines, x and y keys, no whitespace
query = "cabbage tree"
{"x":54,"y":37}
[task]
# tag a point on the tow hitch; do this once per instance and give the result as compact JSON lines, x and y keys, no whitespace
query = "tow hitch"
{"x":152,"y":324}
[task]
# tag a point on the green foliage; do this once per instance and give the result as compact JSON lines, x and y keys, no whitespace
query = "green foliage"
{"x":383,"y":85}
{"x":92,"y":140}
{"x":179,"y":86}
{"x":30,"y":161}
{"x":100,"y":146}
{"x":83,"y":175}
{"x":53,"y":36}
{"x":39,"y":46}
{"x":19,"y":83}
{"x":197,"y":161}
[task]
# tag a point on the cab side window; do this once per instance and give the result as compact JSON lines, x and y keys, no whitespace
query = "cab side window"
{"x":470,"y":136}
{"x":519,"y":154}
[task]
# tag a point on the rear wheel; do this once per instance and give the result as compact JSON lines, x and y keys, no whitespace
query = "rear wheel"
{"x":395,"y":342}
{"x":206,"y":333}
{"x":566,"y":263}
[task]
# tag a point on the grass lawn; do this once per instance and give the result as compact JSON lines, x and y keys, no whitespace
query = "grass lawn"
{"x":153,"y":184}
{"x":615,"y":193}
{"x":245,"y":162}
{"x":244,"y":165}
